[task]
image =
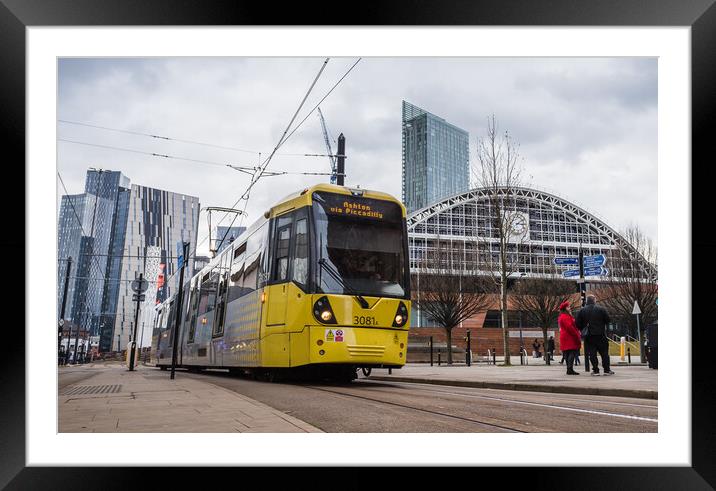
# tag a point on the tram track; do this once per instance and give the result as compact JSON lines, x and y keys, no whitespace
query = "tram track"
{"x":561,"y":406}
{"x":414,"y":408}
{"x":387,"y":406}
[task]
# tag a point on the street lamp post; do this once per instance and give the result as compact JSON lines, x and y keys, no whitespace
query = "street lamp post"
{"x":64,"y":303}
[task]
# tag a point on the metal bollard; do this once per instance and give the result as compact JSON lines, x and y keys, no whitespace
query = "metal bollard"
{"x":390,"y":371}
{"x":431,"y":351}
{"x":438,"y":357}
{"x":493,"y":356}
{"x":467,"y":352}
{"x":629,"y":355}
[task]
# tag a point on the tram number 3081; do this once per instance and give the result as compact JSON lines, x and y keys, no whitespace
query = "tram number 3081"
{"x":364,"y":321}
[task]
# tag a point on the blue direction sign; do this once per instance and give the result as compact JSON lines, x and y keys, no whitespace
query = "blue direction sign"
{"x":596,"y":271}
{"x":563,"y":261}
{"x":570,"y":273}
{"x":592,"y":261}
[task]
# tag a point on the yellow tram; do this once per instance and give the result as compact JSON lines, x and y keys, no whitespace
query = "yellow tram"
{"x":319,"y":284}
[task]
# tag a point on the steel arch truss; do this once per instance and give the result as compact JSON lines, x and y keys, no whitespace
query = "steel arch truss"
{"x":555,"y":225}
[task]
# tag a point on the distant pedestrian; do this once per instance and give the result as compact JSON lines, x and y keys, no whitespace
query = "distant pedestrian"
{"x":569,"y":337}
{"x":535,"y":349}
{"x":592,"y":320}
{"x":550,"y":348}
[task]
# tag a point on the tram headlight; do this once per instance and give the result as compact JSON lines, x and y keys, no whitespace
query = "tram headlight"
{"x":323,"y":312}
{"x":401,"y":316}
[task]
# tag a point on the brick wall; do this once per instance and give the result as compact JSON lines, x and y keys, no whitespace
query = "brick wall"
{"x":481,"y":339}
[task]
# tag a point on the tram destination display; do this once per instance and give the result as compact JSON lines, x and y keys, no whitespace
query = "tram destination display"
{"x":358,"y":207}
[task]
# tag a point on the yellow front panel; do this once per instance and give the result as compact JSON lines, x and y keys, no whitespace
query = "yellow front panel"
{"x":358,"y":345}
{"x":380,"y":312}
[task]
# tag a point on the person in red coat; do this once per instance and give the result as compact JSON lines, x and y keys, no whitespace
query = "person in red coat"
{"x":570,"y":340}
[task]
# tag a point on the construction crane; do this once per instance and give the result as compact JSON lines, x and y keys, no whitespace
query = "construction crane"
{"x":331,"y":157}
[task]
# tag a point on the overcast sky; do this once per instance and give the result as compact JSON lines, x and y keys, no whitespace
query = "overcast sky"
{"x":587,"y":127}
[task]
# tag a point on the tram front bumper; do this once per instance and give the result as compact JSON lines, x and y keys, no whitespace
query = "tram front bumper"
{"x":358,"y":345}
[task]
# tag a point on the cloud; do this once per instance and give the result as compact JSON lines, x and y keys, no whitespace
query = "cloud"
{"x":586,"y":126}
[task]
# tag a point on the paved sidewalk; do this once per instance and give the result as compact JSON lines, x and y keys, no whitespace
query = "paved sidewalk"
{"x":146,"y":400}
{"x":629,"y":381}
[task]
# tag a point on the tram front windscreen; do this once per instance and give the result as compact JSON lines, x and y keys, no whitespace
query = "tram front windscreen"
{"x":361,"y":246}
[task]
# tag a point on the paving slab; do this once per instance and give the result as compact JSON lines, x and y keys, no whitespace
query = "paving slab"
{"x":628,"y":381}
{"x":147,"y":402}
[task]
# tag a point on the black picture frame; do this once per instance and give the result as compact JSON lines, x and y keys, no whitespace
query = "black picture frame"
{"x":700,"y":15}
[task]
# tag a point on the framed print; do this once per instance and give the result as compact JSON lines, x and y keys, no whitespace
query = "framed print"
{"x":47,"y":44}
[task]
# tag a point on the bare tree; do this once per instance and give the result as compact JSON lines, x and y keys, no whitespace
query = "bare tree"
{"x":497,"y":172}
{"x":448,"y":294}
{"x":633,"y":277}
{"x":540,"y":298}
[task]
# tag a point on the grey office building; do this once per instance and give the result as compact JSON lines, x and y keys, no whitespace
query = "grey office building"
{"x":435,"y":158}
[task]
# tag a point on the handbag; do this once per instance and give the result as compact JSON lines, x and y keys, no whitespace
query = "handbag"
{"x":585,"y":331}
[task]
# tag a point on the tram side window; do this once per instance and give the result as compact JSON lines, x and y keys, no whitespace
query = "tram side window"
{"x":193,"y":303}
{"x":221,"y":295}
{"x":170,"y":322}
{"x":264,"y":264}
{"x":251,"y":274}
{"x":208,"y":292}
{"x":237,"y":273}
{"x":283,"y":240}
{"x":300,"y":257}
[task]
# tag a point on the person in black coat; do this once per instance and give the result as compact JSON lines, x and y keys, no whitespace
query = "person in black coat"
{"x":595,"y":319}
{"x":535,"y":349}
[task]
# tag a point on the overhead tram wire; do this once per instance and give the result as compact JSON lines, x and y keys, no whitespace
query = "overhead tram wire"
{"x":265,"y":164}
{"x":240,"y":168}
{"x":168,"y":138}
{"x":261,"y":168}
{"x":243,"y":169}
{"x":283,"y":140}
{"x":152,"y":154}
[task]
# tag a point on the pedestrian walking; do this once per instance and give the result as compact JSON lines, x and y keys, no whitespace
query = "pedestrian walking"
{"x":550,"y":348}
{"x":535,"y":349}
{"x":592,"y":321}
{"x":569,"y":337}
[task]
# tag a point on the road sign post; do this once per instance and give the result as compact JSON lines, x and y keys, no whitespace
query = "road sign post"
{"x":636,"y":311}
{"x":140,"y":285}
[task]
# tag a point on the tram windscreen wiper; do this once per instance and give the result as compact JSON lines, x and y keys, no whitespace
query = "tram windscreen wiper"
{"x":336,"y":276}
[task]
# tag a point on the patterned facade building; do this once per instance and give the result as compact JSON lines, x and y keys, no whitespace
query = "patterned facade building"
{"x":435,"y":158}
{"x":156,"y":221}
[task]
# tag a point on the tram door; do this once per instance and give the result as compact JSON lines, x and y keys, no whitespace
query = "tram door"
{"x":278,"y":291}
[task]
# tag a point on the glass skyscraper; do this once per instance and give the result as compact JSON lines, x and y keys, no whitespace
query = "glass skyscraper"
{"x":435,"y":158}
{"x":88,"y":233}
